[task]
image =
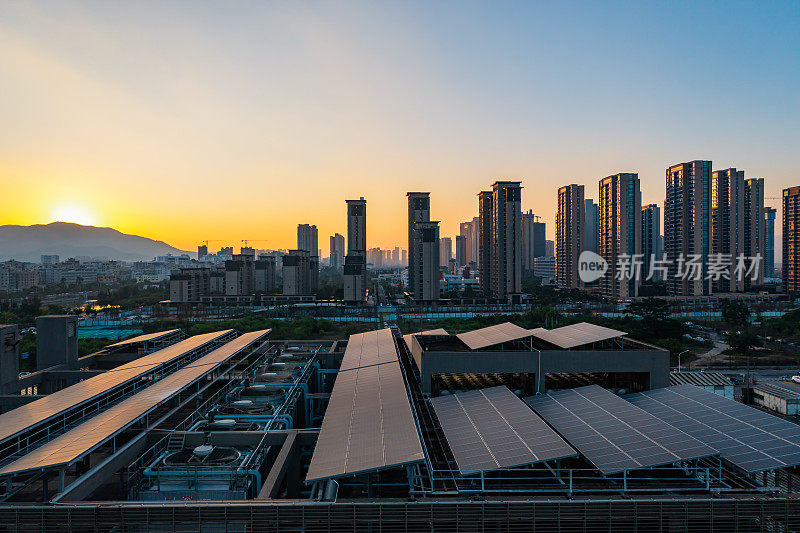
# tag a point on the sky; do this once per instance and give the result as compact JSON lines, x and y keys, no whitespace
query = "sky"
{"x":186,"y":121}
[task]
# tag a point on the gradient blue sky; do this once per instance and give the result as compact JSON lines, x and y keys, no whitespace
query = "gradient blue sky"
{"x":187,"y":121}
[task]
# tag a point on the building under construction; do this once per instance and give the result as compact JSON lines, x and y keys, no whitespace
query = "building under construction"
{"x":502,"y":428}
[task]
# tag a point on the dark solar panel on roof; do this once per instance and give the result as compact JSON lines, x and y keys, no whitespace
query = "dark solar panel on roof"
{"x":753,"y":440}
{"x":491,"y":428}
{"x":611,"y":434}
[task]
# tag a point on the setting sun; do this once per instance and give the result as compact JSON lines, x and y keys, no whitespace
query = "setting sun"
{"x":73,"y":213}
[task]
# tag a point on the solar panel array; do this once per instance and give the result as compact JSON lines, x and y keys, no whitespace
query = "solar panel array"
{"x":614,"y":435}
{"x":147,"y":337}
{"x":753,"y":440}
{"x":491,"y":428}
{"x":368,"y":425}
{"x":370,"y":348}
{"x":576,"y":335}
{"x":82,"y":439}
{"x":491,"y":335}
{"x":23,"y":417}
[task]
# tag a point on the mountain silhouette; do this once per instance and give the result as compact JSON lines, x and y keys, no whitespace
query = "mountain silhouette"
{"x":65,"y":239}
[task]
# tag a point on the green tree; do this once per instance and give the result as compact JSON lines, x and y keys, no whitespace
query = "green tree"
{"x":650,"y":309}
{"x":743,"y":342}
{"x":735,"y":313}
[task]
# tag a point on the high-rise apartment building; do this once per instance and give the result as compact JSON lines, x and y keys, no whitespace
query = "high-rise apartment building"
{"x":419,"y":210}
{"x":297,"y":273}
{"x":202,"y":251}
{"x":337,"y":250}
{"x":533,"y":239}
{"x":426,"y":247}
{"x":754,"y":230}
{"x":355,"y":262}
{"x":308,"y":239}
{"x":485,"y":221}
{"x":570,"y":227}
{"x":549,"y":248}
{"x":396,"y":256}
{"x":501,"y":240}
{"x":620,"y":224}
{"x":470,"y":231}
{"x":591,"y":233}
{"x":265,"y":270}
{"x":769,"y":241}
{"x":651,"y":239}
{"x":727,"y":225}
{"x":790,"y":264}
{"x":445,"y":250}
{"x":240,"y":275}
{"x":687,"y":228}
{"x":461,"y":250}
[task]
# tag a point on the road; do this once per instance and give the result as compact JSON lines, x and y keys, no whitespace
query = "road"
{"x":714,"y":355}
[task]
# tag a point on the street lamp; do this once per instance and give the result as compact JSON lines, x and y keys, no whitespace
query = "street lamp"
{"x":679,"y":359}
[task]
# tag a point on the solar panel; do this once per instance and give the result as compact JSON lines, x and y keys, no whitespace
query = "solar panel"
{"x":491,"y":428}
{"x":753,"y":440}
{"x":491,"y":335}
{"x":143,"y":338}
{"x":407,"y":338}
{"x":83,"y":438}
{"x":368,"y":425}
{"x":576,"y":335}
{"x":370,"y":348}
{"x":613,"y":434}
{"x":38,"y":411}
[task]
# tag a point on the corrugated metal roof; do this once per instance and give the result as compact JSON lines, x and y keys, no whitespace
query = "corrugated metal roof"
{"x":489,"y":336}
{"x":700,"y":379}
{"x":576,"y":335}
{"x":778,"y":391}
{"x":407,"y":338}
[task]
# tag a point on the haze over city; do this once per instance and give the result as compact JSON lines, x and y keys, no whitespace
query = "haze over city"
{"x":241,"y":121}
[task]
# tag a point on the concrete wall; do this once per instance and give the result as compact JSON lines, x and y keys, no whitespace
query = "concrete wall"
{"x":9,"y":354}
{"x":655,"y":363}
{"x":56,"y":341}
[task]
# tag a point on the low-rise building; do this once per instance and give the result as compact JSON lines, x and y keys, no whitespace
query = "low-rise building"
{"x":536,"y":360}
{"x":711,"y":381}
{"x":782,"y":400}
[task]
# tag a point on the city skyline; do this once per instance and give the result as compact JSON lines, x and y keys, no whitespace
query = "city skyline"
{"x":205,"y":111}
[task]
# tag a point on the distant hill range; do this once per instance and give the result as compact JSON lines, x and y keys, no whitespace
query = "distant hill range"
{"x":28,"y":243}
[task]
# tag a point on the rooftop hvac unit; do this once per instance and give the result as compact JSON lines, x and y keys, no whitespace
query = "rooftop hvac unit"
{"x":204,"y":472}
{"x":245,"y":407}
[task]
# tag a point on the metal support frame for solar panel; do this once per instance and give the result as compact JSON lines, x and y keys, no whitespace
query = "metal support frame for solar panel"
{"x":355,"y":437}
{"x":79,"y":441}
{"x":612,"y":434}
{"x":58,"y":417}
{"x":492,"y":429}
{"x":750,"y":439}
